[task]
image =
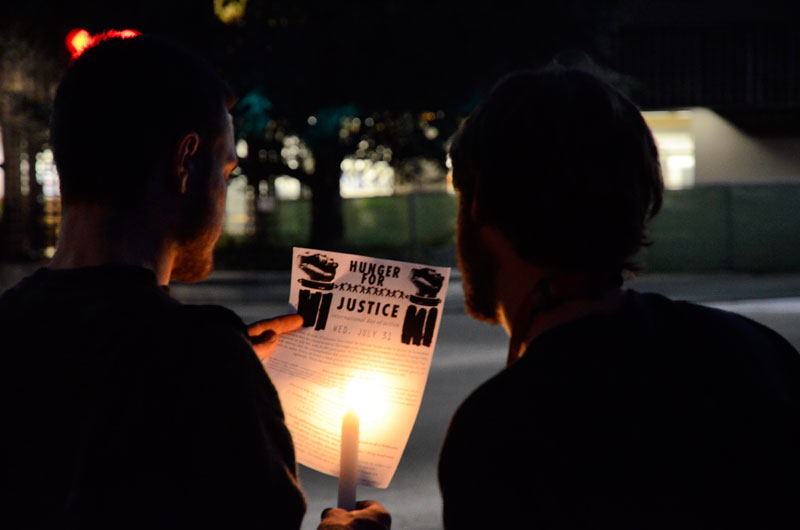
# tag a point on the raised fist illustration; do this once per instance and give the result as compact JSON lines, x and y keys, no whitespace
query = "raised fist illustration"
{"x":318,"y":267}
{"x":427,"y":281}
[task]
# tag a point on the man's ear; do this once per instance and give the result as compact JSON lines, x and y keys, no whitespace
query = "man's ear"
{"x":184,"y":163}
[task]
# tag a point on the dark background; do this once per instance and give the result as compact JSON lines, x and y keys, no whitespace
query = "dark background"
{"x":408,"y":65}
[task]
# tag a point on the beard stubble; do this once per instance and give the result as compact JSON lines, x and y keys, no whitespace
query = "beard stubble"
{"x":200,"y":230}
{"x":478,"y":269}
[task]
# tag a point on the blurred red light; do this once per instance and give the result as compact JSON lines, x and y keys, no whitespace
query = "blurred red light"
{"x":80,"y":39}
{"x":77,"y":41}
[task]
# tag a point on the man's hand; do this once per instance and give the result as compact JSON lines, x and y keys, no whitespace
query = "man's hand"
{"x":264,"y":333}
{"x":368,"y":515}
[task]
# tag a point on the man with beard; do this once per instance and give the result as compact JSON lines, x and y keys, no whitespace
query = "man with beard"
{"x":123,"y":408}
{"x":616,"y":409}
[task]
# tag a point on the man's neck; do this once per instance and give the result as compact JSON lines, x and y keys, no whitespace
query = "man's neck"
{"x":532,"y":300}
{"x":564,"y":312}
{"x":93,"y":235}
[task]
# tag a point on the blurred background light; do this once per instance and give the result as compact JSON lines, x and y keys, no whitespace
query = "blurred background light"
{"x":230,"y":11}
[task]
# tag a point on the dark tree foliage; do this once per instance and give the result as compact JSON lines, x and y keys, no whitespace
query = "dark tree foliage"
{"x":394,"y":62}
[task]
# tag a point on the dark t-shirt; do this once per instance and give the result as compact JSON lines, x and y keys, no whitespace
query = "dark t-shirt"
{"x":660,"y":415}
{"x":123,"y":408}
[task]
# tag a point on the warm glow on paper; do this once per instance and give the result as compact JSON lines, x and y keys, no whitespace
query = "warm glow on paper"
{"x":370,"y":328}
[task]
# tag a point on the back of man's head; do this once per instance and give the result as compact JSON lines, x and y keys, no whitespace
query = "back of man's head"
{"x":566,"y":168}
{"x":120,"y":110}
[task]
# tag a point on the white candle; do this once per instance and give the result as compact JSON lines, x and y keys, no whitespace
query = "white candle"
{"x":348,"y":460}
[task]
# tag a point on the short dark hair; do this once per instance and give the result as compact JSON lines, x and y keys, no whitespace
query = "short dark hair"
{"x":565,"y":166}
{"x":121,"y":107}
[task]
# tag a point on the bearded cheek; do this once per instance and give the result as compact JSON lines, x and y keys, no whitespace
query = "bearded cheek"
{"x":219,"y":214}
{"x":194,"y":261}
{"x":478,"y":272}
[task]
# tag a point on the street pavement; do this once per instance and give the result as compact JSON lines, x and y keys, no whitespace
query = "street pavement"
{"x":469,"y":352}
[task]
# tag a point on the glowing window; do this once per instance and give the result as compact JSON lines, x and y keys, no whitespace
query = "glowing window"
{"x":46,"y":174}
{"x":238,"y":220}
{"x":241,"y":148}
{"x":364,"y":177}
{"x":287,"y":188}
{"x":672,"y":131}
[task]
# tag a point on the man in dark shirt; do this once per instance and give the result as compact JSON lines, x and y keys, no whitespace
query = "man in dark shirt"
{"x":616,"y":409}
{"x":121,"y":407}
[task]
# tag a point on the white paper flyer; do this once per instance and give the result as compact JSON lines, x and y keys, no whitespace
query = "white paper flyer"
{"x":370,"y":328}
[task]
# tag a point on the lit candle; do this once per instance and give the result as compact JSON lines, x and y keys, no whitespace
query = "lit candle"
{"x":348,"y":460}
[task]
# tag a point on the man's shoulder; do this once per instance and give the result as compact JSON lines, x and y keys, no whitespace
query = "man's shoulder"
{"x":209,"y":318}
{"x":15,"y":292}
{"x":125,"y":307}
{"x":680,"y":320}
{"x":212,"y":336}
{"x":651,"y":337}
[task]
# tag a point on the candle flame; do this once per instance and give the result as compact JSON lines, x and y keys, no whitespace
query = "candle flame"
{"x":366,"y":397}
